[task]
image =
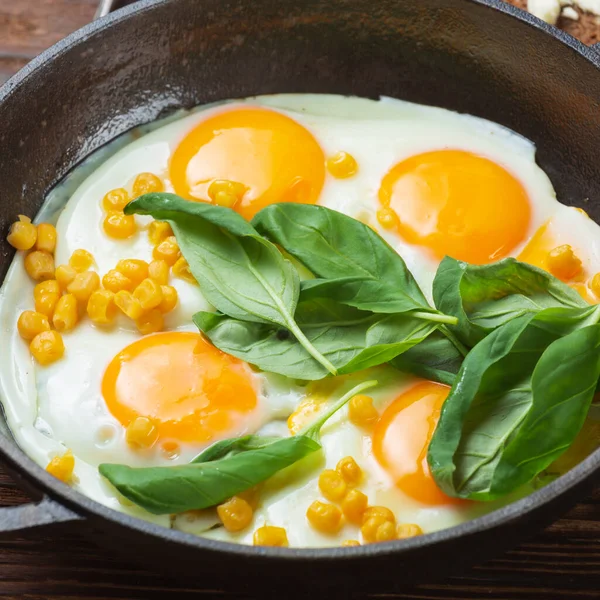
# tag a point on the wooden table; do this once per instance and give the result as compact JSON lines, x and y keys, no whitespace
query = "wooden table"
{"x":561,"y":562}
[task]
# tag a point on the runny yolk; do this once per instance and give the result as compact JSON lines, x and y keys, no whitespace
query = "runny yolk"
{"x":458,"y":204}
{"x":191,"y":391}
{"x":272,"y":156}
{"x":401,"y":439}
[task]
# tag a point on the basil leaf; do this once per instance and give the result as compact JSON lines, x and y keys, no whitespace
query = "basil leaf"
{"x":369,"y":273}
{"x":350,"y":339}
{"x":239,"y":272}
{"x":198,"y":485}
{"x":499,"y":389}
{"x":484,"y":297}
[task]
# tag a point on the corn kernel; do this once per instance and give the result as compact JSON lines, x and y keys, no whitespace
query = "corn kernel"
{"x":235,"y":514}
{"x":350,"y":543}
{"x":251,"y":496}
{"x":226,"y":193}
{"x":47,"y":347}
{"x":308,"y":409}
{"x":361,"y":411}
{"x":349,"y":470}
{"x":39,"y":265}
{"x":342,"y":165}
{"x":114,"y":281}
{"x":167,"y":250}
{"x":408,"y":530}
{"x":46,"y":238}
{"x":64,"y":275}
{"x":169,"y":299}
{"x":65,"y":314}
{"x":129,"y":305}
{"x":225,"y":199}
{"x":84,"y":285}
{"x":22,"y":234}
{"x":62,"y":467}
{"x":369,"y":528}
{"x":594,"y":284}
{"x":158,"y":232}
{"x":385,"y":532}
{"x":32,"y":323}
{"x":563,"y":263}
{"x":324,"y":517}
{"x":380,"y":512}
{"x":119,"y":226}
{"x":158,"y":270}
{"x":148,"y":293}
{"x":181,"y":269}
{"x":81,"y":260}
{"x":115,"y":200}
{"x":387,"y":218}
{"x":141,"y":433}
{"x":150,"y":322}
{"x":45,"y":296}
{"x":146,"y":183}
{"x":134,"y":269}
{"x":101,"y":307}
{"x":332,"y":485}
{"x":354,"y":505}
{"x":267,"y":535}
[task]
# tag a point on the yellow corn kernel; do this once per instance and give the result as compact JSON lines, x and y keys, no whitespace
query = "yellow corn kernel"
{"x":167,"y":250}
{"x":251,"y":496}
{"x":181,"y":269}
{"x":22,"y":234}
{"x":379,"y":511}
{"x":361,"y":411}
{"x":594,"y":284}
{"x":349,"y":470}
{"x":134,"y":269}
{"x":118,"y":225}
{"x":81,"y":260}
{"x":62,"y":467}
{"x":158,"y":270}
{"x":129,"y":305}
{"x":115,"y":200}
{"x":141,"y":433}
{"x":369,"y":528}
{"x":46,"y":238}
{"x":39,"y":265}
{"x":101,"y":307}
{"x":324,"y":517}
{"x":169,"y":299}
{"x":47,"y":347}
{"x":354,"y":505}
{"x":350,"y":543}
{"x":146,"y":183}
{"x":267,"y":535}
{"x":332,"y":485}
{"x":64,"y":274}
{"x":84,"y":285}
{"x":235,"y":514}
{"x":408,"y":530}
{"x":32,"y":323}
{"x":305,"y":413}
{"x":148,"y":293}
{"x":563,"y":263}
{"x":385,"y":532}
{"x":114,"y":281}
{"x":158,"y":232}
{"x":226,"y":193}
{"x":387,"y":218}
{"x":342,"y":165}
{"x":65,"y":314}
{"x":45,"y":296}
{"x":150,"y":322}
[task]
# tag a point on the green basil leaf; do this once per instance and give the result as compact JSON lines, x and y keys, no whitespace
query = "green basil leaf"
{"x":231,"y":446}
{"x":350,"y":339}
{"x":494,"y":394}
{"x":484,"y":297}
{"x":370,"y":274}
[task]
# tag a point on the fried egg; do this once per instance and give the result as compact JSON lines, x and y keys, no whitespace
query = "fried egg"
{"x":432,"y":182}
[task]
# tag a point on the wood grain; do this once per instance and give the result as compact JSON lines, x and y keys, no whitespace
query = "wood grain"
{"x":562,"y":562}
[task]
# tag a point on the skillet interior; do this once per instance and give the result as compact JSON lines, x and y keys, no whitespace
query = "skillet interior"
{"x":459,"y":54}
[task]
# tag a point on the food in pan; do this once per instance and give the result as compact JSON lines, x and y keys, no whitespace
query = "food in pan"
{"x":306,"y":320}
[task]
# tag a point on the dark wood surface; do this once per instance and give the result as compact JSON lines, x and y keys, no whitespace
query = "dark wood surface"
{"x":561,"y":562}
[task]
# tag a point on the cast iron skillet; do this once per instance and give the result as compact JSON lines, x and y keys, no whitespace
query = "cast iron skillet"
{"x":477,"y":56}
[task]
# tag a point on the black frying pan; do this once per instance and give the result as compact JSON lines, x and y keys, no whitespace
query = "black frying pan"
{"x":477,"y":56}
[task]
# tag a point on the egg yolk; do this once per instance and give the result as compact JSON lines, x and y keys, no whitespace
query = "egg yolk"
{"x":458,"y":204}
{"x":401,"y":439}
{"x":191,"y":391}
{"x":272,"y":156}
